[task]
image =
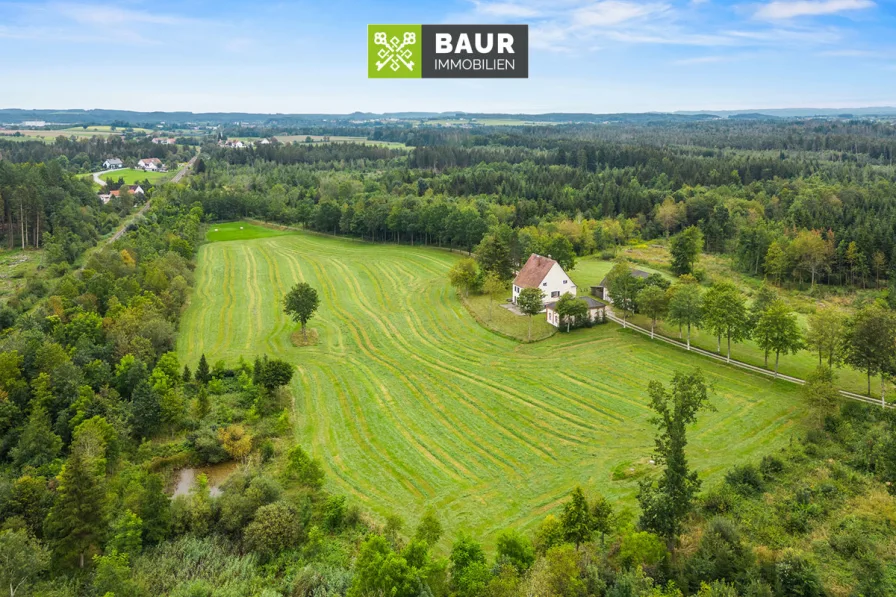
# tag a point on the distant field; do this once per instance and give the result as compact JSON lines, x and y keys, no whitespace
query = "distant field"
{"x":318,"y":139}
{"x":132,"y":176}
{"x":411,"y":404}
{"x":240,"y":231}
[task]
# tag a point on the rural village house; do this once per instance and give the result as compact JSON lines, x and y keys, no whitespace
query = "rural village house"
{"x":603,"y":292}
{"x":544,"y":273}
{"x":112,"y":164}
{"x":151,"y":165}
{"x":595,"y":311}
{"x":164,"y":141}
{"x":134,"y":189}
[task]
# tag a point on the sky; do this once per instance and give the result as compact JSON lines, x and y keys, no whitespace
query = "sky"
{"x":598,"y":56}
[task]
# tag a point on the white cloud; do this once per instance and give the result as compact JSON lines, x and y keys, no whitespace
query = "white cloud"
{"x":509,"y":10}
{"x":784,"y":9}
{"x":615,"y":12}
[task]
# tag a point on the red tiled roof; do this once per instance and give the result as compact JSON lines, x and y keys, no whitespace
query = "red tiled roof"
{"x":536,"y":268}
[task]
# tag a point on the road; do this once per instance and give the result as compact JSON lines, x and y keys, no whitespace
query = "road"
{"x":742,"y":365}
{"x":100,"y":181}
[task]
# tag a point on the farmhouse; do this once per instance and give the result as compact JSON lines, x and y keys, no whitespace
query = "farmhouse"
{"x":133,"y":189}
{"x":112,"y":164}
{"x":105,"y":197}
{"x":164,"y":140}
{"x":151,"y":165}
{"x":544,"y":273}
{"x":235,"y":144}
{"x":603,"y":293}
{"x":595,"y":311}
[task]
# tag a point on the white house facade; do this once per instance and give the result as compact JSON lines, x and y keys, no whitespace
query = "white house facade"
{"x":545,"y":274}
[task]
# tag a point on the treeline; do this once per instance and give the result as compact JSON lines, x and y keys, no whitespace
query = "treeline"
{"x":305,"y":153}
{"x":87,"y":154}
{"x":43,"y":206}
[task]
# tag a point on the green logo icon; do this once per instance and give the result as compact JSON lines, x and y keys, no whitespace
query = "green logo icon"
{"x":394,"y":51}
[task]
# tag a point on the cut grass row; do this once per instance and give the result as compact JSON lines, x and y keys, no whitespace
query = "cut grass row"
{"x":411,"y":404}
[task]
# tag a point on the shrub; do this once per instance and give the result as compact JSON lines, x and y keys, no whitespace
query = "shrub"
{"x":771,"y":466}
{"x":718,"y":500}
{"x":795,"y":576}
{"x":275,"y":527}
{"x":745,"y":480}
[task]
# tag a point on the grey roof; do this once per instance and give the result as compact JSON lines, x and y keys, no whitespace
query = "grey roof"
{"x":592,"y":303}
{"x":636,"y":273}
{"x":113,"y":161}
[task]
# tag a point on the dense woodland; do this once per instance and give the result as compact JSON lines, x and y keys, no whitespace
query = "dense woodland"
{"x":96,"y":411}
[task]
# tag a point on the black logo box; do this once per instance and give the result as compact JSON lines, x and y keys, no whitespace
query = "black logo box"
{"x":520,"y":56}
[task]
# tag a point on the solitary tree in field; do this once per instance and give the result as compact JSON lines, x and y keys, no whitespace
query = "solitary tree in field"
{"x":685,"y":248}
{"x":300,"y":303}
{"x":570,"y":309}
{"x":686,"y":306}
{"x":492,"y":285}
{"x":529,"y":302}
{"x":665,"y":505}
{"x":653,"y":302}
{"x":463,"y":276}
{"x":725,"y":313}
{"x":778,"y":331}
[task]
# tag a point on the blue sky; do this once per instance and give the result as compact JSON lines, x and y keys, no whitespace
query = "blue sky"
{"x":585,"y":55}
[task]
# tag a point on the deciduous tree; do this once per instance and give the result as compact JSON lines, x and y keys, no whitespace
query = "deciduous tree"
{"x":665,"y":504}
{"x":300,"y":303}
{"x":871,"y":342}
{"x":464,"y":276}
{"x":686,"y":306}
{"x":778,"y":331}
{"x":725,"y":314}
{"x":653,"y":302}
{"x":685,"y":249}
{"x":529,"y":302}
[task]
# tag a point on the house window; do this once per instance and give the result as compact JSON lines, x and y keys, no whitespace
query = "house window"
{"x":555,"y":294}
{"x":516,"y":288}
{"x":565,"y":281}
{"x":544,"y":283}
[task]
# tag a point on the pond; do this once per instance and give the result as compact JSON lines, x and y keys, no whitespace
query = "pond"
{"x":216,"y":473}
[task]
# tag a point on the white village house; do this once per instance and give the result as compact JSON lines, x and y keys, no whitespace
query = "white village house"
{"x":151,"y":165}
{"x":112,"y":164}
{"x":544,"y":273}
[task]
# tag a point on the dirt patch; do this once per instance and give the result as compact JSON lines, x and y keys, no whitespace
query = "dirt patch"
{"x":299,"y":340}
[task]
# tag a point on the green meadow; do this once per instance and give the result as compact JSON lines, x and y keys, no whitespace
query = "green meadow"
{"x":410,"y":404}
{"x":133,"y":176}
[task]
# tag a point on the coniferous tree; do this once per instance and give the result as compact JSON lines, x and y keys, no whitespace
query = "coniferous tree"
{"x":76,"y":524}
{"x":146,"y":410}
{"x":38,"y":445}
{"x":203,"y":375}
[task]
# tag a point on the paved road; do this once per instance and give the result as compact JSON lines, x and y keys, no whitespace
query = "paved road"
{"x":100,"y":181}
{"x":742,"y":365}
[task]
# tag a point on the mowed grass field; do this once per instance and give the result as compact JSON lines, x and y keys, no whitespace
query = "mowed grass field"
{"x":134,"y":176}
{"x":411,"y":404}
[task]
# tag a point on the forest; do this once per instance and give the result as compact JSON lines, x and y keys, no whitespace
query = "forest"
{"x":97,"y":411}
